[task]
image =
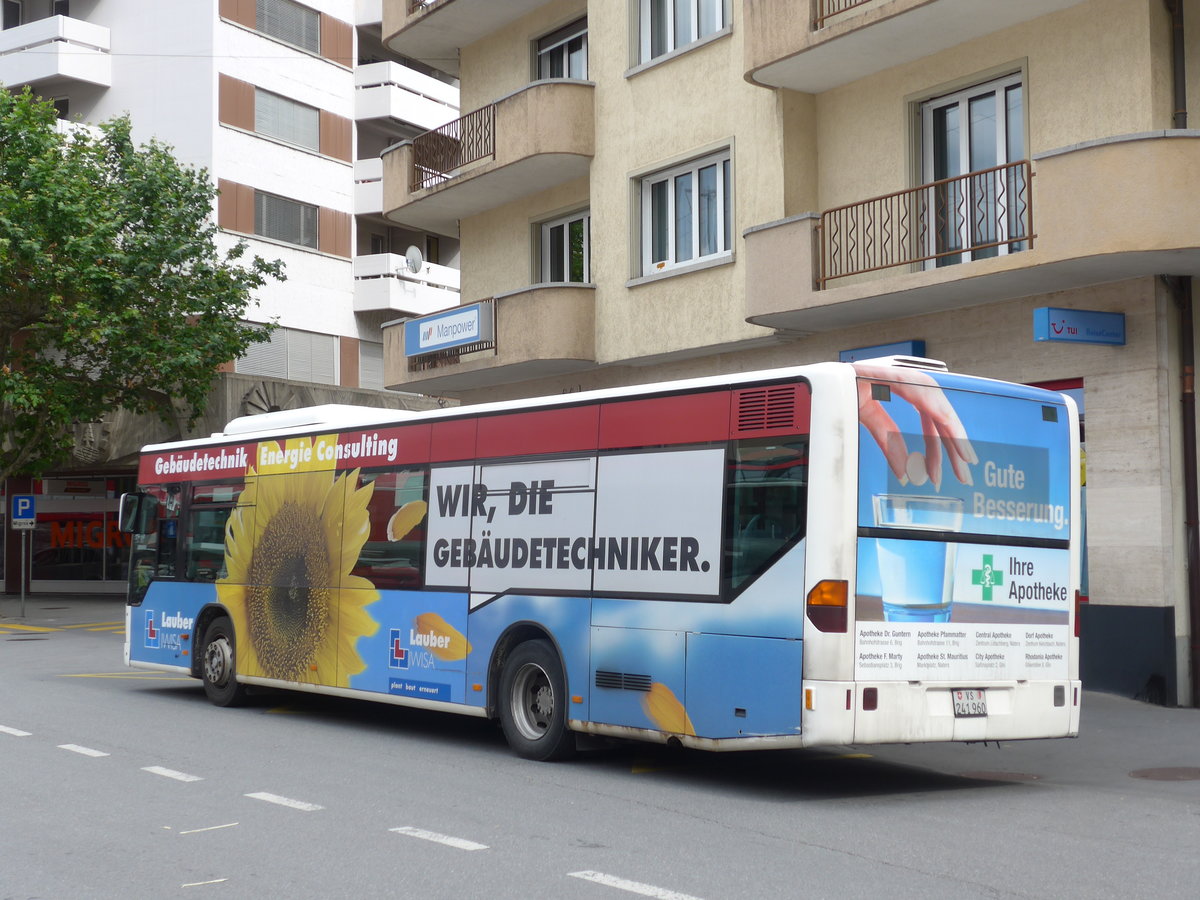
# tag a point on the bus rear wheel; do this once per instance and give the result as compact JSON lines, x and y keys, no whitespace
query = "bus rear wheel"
{"x":533,"y":703}
{"x":217,"y":667}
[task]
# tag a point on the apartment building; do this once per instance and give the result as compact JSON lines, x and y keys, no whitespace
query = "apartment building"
{"x":288,"y":106}
{"x":652,"y":189}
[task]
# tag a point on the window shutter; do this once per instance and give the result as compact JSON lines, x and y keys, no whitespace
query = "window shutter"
{"x":370,"y":365}
{"x":268,"y":358}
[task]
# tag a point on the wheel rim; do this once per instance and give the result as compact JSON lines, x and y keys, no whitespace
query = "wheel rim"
{"x":218,"y":661}
{"x":532,"y":701}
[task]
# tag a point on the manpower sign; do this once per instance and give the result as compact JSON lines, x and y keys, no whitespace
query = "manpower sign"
{"x":452,"y":328}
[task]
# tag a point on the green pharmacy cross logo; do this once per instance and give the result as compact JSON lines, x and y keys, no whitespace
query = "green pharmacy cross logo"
{"x":987,"y":577}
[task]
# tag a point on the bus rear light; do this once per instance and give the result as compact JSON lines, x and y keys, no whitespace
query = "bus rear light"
{"x":870,"y":699}
{"x":1080,"y":599}
{"x":827,"y":606}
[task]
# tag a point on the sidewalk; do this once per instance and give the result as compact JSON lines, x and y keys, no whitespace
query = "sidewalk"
{"x":61,"y":609}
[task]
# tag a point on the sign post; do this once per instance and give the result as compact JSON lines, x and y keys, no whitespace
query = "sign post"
{"x":23,"y":516}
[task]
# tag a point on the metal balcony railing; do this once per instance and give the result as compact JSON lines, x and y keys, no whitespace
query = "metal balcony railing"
{"x":827,"y":9}
{"x":972,"y":216}
{"x":437,"y":153}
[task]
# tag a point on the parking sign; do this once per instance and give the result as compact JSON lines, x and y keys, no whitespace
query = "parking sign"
{"x":24,"y":511}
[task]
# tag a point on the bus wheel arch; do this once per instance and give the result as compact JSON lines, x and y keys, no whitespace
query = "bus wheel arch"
{"x":528,"y":694}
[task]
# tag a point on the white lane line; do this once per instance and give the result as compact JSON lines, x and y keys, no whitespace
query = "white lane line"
{"x":85,"y":751}
{"x":209,"y":828}
{"x":202,"y":883}
{"x":448,"y":840}
{"x":171,"y":773}
{"x":633,"y":887}
{"x":284,"y":801}
{"x":15,"y":732}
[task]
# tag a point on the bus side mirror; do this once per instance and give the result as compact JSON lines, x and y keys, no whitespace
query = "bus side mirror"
{"x":139,"y":513}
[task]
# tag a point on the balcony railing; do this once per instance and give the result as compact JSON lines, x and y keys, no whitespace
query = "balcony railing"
{"x":972,"y":216}
{"x":827,"y":9}
{"x":438,"y":153}
{"x":416,"y":6}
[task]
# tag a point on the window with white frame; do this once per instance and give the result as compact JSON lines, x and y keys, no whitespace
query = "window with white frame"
{"x":687,"y":213}
{"x":285,"y":220}
{"x":667,"y":25}
{"x":290,"y":22}
{"x":978,"y":203}
{"x":284,"y":118}
{"x":566,"y":250}
{"x":563,"y":53}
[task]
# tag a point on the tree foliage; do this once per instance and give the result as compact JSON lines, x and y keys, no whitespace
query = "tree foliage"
{"x":113,"y":292}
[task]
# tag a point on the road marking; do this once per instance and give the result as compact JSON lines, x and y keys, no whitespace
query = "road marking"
{"x":209,"y":828}
{"x":15,"y":732}
{"x":633,"y":887}
{"x":84,"y":751}
{"x":448,"y":840}
{"x":202,"y":883}
{"x":13,"y":626}
{"x":284,"y":801}
{"x":171,"y":773}
{"x":91,"y":625}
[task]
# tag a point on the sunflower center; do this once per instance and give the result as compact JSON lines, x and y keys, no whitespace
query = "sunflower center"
{"x":290,"y":604}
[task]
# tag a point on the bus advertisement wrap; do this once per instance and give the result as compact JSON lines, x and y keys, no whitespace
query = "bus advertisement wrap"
{"x":964,"y":523}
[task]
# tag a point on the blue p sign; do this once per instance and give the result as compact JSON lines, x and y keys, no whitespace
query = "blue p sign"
{"x":23,"y":507}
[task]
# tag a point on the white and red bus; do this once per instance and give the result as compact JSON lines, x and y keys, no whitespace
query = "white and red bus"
{"x":824,"y":554}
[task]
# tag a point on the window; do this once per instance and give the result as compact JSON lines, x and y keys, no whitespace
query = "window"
{"x":282,"y":118}
{"x":563,"y":53}
{"x":290,"y":22}
{"x":965,"y":137}
{"x":370,"y":365}
{"x":391,"y":557}
{"x":667,"y":25}
{"x":12,"y":13}
{"x":686,"y":214}
{"x":60,"y":8}
{"x":565,"y":249}
{"x":292,"y":354}
{"x":766,"y":500}
{"x":285,"y":220}
{"x":204,"y":540}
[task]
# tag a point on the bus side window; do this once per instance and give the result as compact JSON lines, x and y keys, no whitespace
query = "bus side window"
{"x":766,"y":501}
{"x":152,"y":554}
{"x":391,"y":557}
{"x":204,"y":540}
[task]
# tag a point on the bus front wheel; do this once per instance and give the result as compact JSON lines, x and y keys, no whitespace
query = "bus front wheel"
{"x":216,"y":664}
{"x":533,"y":703}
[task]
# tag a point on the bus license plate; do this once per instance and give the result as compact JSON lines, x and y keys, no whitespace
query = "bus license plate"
{"x":969,"y":703}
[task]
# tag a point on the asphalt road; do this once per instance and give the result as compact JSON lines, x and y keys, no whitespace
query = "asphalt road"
{"x":117,"y":783}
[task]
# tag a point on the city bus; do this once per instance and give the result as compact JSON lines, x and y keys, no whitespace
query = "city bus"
{"x":826,"y":554}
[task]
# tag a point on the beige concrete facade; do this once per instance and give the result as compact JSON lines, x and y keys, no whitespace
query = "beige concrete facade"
{"x":816,"y":119}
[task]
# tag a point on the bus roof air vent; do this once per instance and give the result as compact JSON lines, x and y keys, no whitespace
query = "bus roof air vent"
{"x":767,"y":409}
{"x":907,"y":362}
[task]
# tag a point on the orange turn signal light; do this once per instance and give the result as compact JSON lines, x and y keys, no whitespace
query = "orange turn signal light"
{"x":828,"y":605}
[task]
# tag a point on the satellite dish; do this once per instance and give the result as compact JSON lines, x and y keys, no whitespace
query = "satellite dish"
{"x":414,"y":259}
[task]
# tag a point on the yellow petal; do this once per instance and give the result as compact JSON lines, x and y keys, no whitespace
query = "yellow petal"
{"x":405,"y":519}
{"x":451,"y":644}
{"x":665,"y":711}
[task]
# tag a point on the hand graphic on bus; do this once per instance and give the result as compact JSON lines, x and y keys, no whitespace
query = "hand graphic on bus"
{"x":940,"y":426}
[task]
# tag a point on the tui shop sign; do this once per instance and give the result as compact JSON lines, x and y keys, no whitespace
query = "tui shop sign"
{"x":1078,"y":326}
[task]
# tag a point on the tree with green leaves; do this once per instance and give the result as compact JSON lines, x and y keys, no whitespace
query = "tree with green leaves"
{"x":113,"y":293}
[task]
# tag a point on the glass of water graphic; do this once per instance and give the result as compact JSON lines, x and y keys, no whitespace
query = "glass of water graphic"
{"x":916,"y":576}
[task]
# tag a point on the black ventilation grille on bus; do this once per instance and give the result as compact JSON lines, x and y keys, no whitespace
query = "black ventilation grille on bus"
{"x":622,"y":681}
{"x":766,"y":408}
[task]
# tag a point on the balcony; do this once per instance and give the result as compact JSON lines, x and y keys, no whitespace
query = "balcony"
{"x":432,"y":31}
{"x":388,"y":90}
{"x":541,"y":331}
{"x":382,"y":281}
{"x":1088,"y":214}
{"x":368,"y":187}
{"x":850,"y":39}
{"x":533,"y":139}
{"x":55,"y":50}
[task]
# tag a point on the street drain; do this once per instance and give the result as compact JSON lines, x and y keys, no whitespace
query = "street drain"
{"x":1001,"y":776}
{"x":1176,"y":773}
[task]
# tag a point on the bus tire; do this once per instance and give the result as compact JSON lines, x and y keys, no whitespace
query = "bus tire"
{"x":216,"y":664}
{"x":533,"y":703}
